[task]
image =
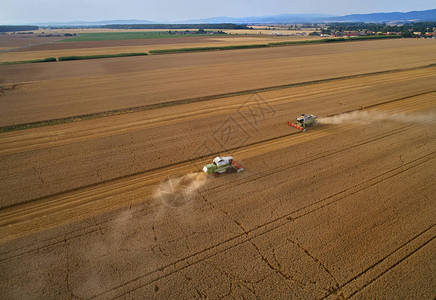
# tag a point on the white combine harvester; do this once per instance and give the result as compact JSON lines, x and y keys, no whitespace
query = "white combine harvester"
{"x":222,"y":165}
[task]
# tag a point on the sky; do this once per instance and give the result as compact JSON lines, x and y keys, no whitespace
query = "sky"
{"x":41,"y":11}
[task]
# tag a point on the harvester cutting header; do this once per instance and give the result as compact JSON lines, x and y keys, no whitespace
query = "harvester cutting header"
{"x":303,"y":122}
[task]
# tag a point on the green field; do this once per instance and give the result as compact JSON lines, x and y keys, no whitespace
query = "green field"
{"x":107,"y":36}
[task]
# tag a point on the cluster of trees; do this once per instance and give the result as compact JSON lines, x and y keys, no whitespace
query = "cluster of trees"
{"x":176,"y":26}
{"x":420,"y":26}
{"x":13,"y":28}
{"x":405,"y":29}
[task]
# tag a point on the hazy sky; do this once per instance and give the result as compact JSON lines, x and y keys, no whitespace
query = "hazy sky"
{"x":28,"y":11}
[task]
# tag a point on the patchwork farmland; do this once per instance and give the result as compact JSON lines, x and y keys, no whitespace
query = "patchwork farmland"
{"x":343,"y":210}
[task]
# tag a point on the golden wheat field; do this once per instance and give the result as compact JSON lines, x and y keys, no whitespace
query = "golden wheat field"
{"x":103,"y":193}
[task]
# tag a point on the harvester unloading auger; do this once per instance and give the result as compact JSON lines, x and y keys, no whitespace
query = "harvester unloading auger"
{"x":303,"y":122}
{"x":222,"y":165}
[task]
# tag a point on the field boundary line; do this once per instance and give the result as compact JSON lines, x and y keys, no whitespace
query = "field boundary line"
{"x":108,"y":113}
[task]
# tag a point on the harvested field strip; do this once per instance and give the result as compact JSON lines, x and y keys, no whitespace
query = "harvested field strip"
{"x":193,"y":100}
{"x":184,"y":167}
{"x":426,"y":97}
{"x":23,"y":141}
{"x":55,"y":210}
{"x":320,"y":156}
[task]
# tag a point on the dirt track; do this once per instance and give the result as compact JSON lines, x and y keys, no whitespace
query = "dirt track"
{"x":341,"y":210}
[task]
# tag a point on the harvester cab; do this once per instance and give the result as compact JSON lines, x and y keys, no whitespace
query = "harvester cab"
{"x":222,"y":165}
{"x":303,"y":122}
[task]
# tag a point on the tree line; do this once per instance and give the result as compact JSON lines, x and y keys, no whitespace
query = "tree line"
{"x":176,"y":26}
{"x":13,"y":28}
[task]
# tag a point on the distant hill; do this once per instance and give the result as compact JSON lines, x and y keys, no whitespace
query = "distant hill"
{"x":94,"y":23}
{"x":284,"y":18}
{"x":412,"y":16}
{"x":392,"y":17}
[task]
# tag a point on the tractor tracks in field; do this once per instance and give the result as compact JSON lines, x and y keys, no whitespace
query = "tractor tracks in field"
{"x":90,"y":195}
{"x":249,"y":234}
{"x":389,"y":262}
{"x":46,"y":206}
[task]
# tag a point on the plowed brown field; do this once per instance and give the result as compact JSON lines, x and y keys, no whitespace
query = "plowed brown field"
{"x":49,"y":49}
{"x":11,"y":41}
{"x":344,"y":210}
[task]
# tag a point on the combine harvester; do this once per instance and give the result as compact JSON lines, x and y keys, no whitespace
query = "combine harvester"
{"x":303,"y":122}
{"x":222,"y":165}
